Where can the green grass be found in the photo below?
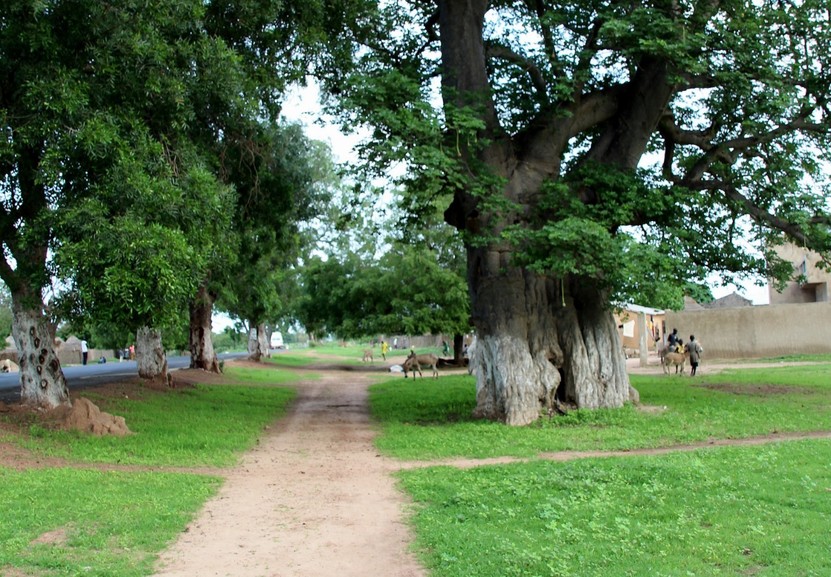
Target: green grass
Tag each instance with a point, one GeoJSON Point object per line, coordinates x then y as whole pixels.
{"type": "Point", "coordinates": [761, 511]}
{"type": "Point", "coordinates": [70, 522]}
{"type": "Point", "coordinates": [431, 419]}
{"type": "Point", "coordinates": [333, 353]}
{"type": "Point", "coordinates": [201, 426]}
{"type": "Point", "coordinates": [254, 376]}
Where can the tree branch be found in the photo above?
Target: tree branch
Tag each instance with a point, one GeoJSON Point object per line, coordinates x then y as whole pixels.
{"type": "Point", "coordinates": [503, 52]}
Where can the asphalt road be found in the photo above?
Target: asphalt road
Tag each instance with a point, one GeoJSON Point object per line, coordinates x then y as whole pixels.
{"type": "Point", "coordinates": [93, 374]}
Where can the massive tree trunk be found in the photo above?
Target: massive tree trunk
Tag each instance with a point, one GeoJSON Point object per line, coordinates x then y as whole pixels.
{"type": "Point", "coordinates": [42, 382]}
{"type": "Point", "coordinates": [150, 355]}
{"type": "Point", "coordinates": [257, 343]}
{"type": "Point", "coordinates": [202, 355]}
{"type": "Point", "coordinates": [541, 344]}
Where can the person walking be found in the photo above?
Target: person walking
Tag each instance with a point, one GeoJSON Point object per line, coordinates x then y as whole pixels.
{"type": "Point", "coordinates": [84, 352]}
{"type": "Point", "coordinates": [695, 354]}
{"type": "Point", "coordinates": [384, 348]}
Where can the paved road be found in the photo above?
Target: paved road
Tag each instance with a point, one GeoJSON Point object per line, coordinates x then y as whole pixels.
{"type": "Point", "coordinates": [79, 376]}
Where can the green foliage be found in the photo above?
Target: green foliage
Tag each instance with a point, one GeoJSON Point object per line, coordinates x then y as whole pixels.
{"type": "Point", "coordinates": [274, 175]}
{"type": "Point", "coordinates": [407, 291]}
{"type": "Point", "coordinates": [608, 142]}
{"type": "Point", "coordinates": [726, 405]}
{"type": "Point", "coordinates": [713, 512]}
{"type": "Point", "coordinates": [6, 315]}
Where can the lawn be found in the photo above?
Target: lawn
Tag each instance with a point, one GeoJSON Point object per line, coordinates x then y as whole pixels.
{"type": "Point", "coordinates": [431, 419]}
{"type": "Point", "coordinates": [89, 520]}
{"type": "Point", "coordinates": [760, 511]}
{"type": "Point", "coordinates": [728, 511]}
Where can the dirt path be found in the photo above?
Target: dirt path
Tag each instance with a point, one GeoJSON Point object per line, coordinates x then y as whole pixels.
{"type": "Point", "coordinates": [313, 499]}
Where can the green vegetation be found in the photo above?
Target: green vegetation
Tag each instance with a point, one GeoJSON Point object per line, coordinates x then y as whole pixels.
{"type": "Point", "coordinates": [69, 522]}
{"type": "Point", "coordinates": [336, 353]}
{"type": "Point", "coordinates": [725, 511]}
{"type": "Point", "coordinates": [202, 426]}
{"type": "Point", "coordinates": [759, 511]}
{"type": "Point", "coordinates": [105, 523]}
{"type": "Point", "coordinates": [432, 419]}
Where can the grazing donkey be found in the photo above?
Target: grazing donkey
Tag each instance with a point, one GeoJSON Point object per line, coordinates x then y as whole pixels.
{"type": "Point", "coordinates": [414, 363]}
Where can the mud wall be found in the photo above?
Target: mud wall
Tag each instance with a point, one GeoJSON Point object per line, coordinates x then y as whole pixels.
{"type": "Point", "coordinates": [757, 331]}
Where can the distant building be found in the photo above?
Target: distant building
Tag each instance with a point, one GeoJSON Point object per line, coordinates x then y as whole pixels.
{"type": "Point", "coordinates": [810, 283]}
{"type": "Point", "coordinates": [730, 301]}
{"type": "Point", "coordinates": [629, 327]}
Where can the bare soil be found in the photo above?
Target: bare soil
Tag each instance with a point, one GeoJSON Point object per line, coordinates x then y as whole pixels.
{"type": "Point", "coordinates": [314, 498]}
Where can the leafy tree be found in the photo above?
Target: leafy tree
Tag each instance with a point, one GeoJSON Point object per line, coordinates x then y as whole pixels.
{"type": "Point", "coordinates": [117, 113]}
{"type": "Point", "coordinates": [5, 312]}
{"type": "Point", "coordinates": [407, 291]}
{"type": "Point", "coordinates": [277, 190]}
{"type": "Point", "coordinates": [596, 151]}
{"type": "Point", "coordinates": [276, 42]}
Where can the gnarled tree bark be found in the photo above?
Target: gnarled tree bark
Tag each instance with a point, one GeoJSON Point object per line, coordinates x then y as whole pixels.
{"type": "Point", "coordinates": [202, 354]}
{"type": "Point", "coordinates": [150, 355]}
{"type": "Point", "coordinates": [258, 343]}
{"type": "Point", "coordinates": [542, 342]}
{"type": "Point", "coordinates": [42, 382]}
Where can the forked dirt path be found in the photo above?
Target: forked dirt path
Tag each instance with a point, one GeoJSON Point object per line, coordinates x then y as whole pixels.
{"type": "Point", "coordinates": [313, 499]}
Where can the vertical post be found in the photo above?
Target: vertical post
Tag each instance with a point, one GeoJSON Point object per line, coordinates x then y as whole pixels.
{"type": "Point", "coordinates": [643, 347]}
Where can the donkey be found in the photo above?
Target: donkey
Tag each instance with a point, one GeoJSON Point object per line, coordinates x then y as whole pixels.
{"type": "Point", "coordinates": [677, 359]}
{"type": "Point", "coordinates": [368, 356]}
{"type": "Point", "coordinates": [414, 363]}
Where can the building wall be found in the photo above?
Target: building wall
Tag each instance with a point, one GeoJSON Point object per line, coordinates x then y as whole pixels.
{"type": "Point", "coordinates": [758, 331]}
{"type": "Point", "coordinates": [629, 329]}
{"type": "Point", "coordinates": [817, 280]}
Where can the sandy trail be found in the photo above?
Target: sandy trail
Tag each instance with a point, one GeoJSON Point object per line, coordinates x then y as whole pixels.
{"type": "Point", "coordinates": [313, 499]}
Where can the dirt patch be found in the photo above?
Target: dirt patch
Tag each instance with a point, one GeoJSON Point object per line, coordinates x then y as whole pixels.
{"type": "Point", "coordinates": [55, 537]}
{"type": "Point", "coordinates": [754, 389]}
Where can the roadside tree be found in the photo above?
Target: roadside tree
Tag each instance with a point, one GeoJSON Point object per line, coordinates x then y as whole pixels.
{"type": "Point", "coordinates": [278, 189]}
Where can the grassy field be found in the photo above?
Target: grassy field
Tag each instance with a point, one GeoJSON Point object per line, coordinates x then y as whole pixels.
{"type": "Point", "coordinates": [761, 511]}
{"type": "Point", "coordinates": [731, 511]}
{"type": "Point", "coordinates": [432, 420]}
{"type": "Point", "coordinates": [71, 521]}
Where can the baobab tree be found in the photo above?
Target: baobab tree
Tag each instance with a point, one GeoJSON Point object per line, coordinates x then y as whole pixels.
{"type": "Point", "coordinates": [592, 151]}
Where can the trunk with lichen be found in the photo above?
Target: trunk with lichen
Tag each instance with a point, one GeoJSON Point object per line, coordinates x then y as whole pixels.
{"type": "Point", "coordinates": [543, 345]}
{"type": "Point", "coordinates": [42, 382]}
{"type": "Point", "coordinates": [202, 354]}
{"type": "Point", "coordinates": [150, 355]}
{"type": "Point", "coordinates": [258, 343]}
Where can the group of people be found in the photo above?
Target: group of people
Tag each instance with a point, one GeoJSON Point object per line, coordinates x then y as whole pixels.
{"type": "Point", "coordinates": [676, 344]}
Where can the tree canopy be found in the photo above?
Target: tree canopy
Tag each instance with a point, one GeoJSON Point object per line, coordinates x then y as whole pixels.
{"type": "Point", "coordinates": [597, 152]}
{"type": "Point", "coordinates": [116, 121]}
{"type": "Point", "coordinates": [683, 136]}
